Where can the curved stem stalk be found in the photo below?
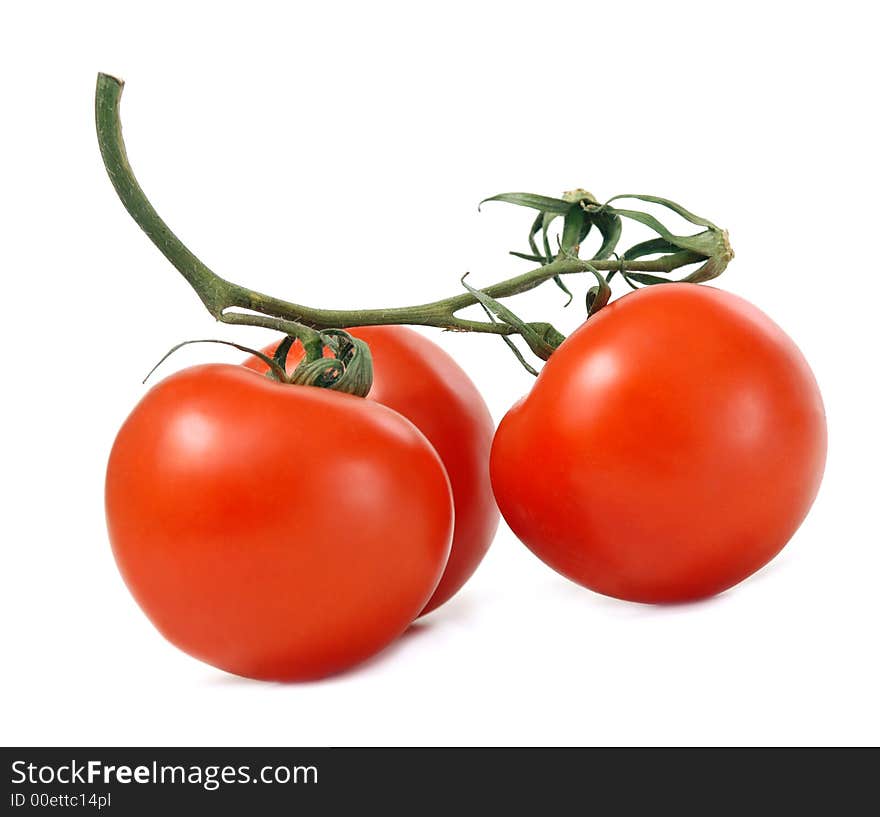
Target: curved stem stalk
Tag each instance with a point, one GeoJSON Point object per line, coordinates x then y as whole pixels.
{"type": "Point", "coordinates": [225, 300]}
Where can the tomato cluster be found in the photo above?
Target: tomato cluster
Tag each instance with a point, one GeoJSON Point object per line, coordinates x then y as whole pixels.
{"type": "Point", "coordinates": [669, 448]}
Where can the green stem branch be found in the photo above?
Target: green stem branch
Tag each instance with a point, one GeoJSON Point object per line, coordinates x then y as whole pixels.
{"type": "Point", "coordinates": [225, 300]}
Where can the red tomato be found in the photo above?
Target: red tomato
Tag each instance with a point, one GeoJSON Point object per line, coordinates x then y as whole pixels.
{"type": "Point", "coordinates": [416, 378]}
{"type": "Point", "coordinates": [278, 532]}
{"type": "Point", "coordinates": [670, 447]}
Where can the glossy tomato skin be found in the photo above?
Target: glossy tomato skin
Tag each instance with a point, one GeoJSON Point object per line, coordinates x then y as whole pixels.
{"type": "Point", "coordinates": [277, 532]}
{"type": "Point", "coordinates": [416, 378]}
{"type": "Point", "coordinates": [670, 447]}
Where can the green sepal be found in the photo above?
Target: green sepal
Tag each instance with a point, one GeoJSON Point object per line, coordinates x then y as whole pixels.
{"type": "Point", "coordinates": [281, 352]}
{"type": "Point", "coordinates": [324, 373]}
{"type": "Point", "coordinates": [599, 295]}
{"type": "Point", "coordinates": [357, 361]}
{"type": "Point", "coordinates": [671, 205]}
{"type": "Point", "coordinates": [535, 340]}
{"type": "Point", "coordinates": [545, 204]}
{"type": "Point", "coordinates": [538, 259]}
{"type": "Point", "coordinates": [277, 371]}
{"type": "Point", "coordinates": [573, 228]}
{"type": "Point", "coordinates": [533, 231]}
{"type": "Point", "coordinates": [546, 220]}
{"type": "Point", "coordinates": [548, 332]}
{"type": "Point", "coordinates": [643, 278]}
{"type": "Point", "coordinates": [557, 279]}
{"type": "Point", "coordinates": [610, 226]}
{"type": "Point", "coordinates": [650, 247]}
{"type": "Point", "coordinates": [643, 248]}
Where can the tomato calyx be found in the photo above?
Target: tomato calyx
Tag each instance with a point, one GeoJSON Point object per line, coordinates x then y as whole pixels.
{"type": "Point", "coordinates": [348, 369]}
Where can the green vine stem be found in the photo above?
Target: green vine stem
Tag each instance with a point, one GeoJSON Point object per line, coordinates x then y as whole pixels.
{"type": "Point", "coordinates": [232, 303]}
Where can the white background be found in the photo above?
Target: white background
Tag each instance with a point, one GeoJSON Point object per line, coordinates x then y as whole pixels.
{"type": "Point", "coordinates": [334, 153]}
